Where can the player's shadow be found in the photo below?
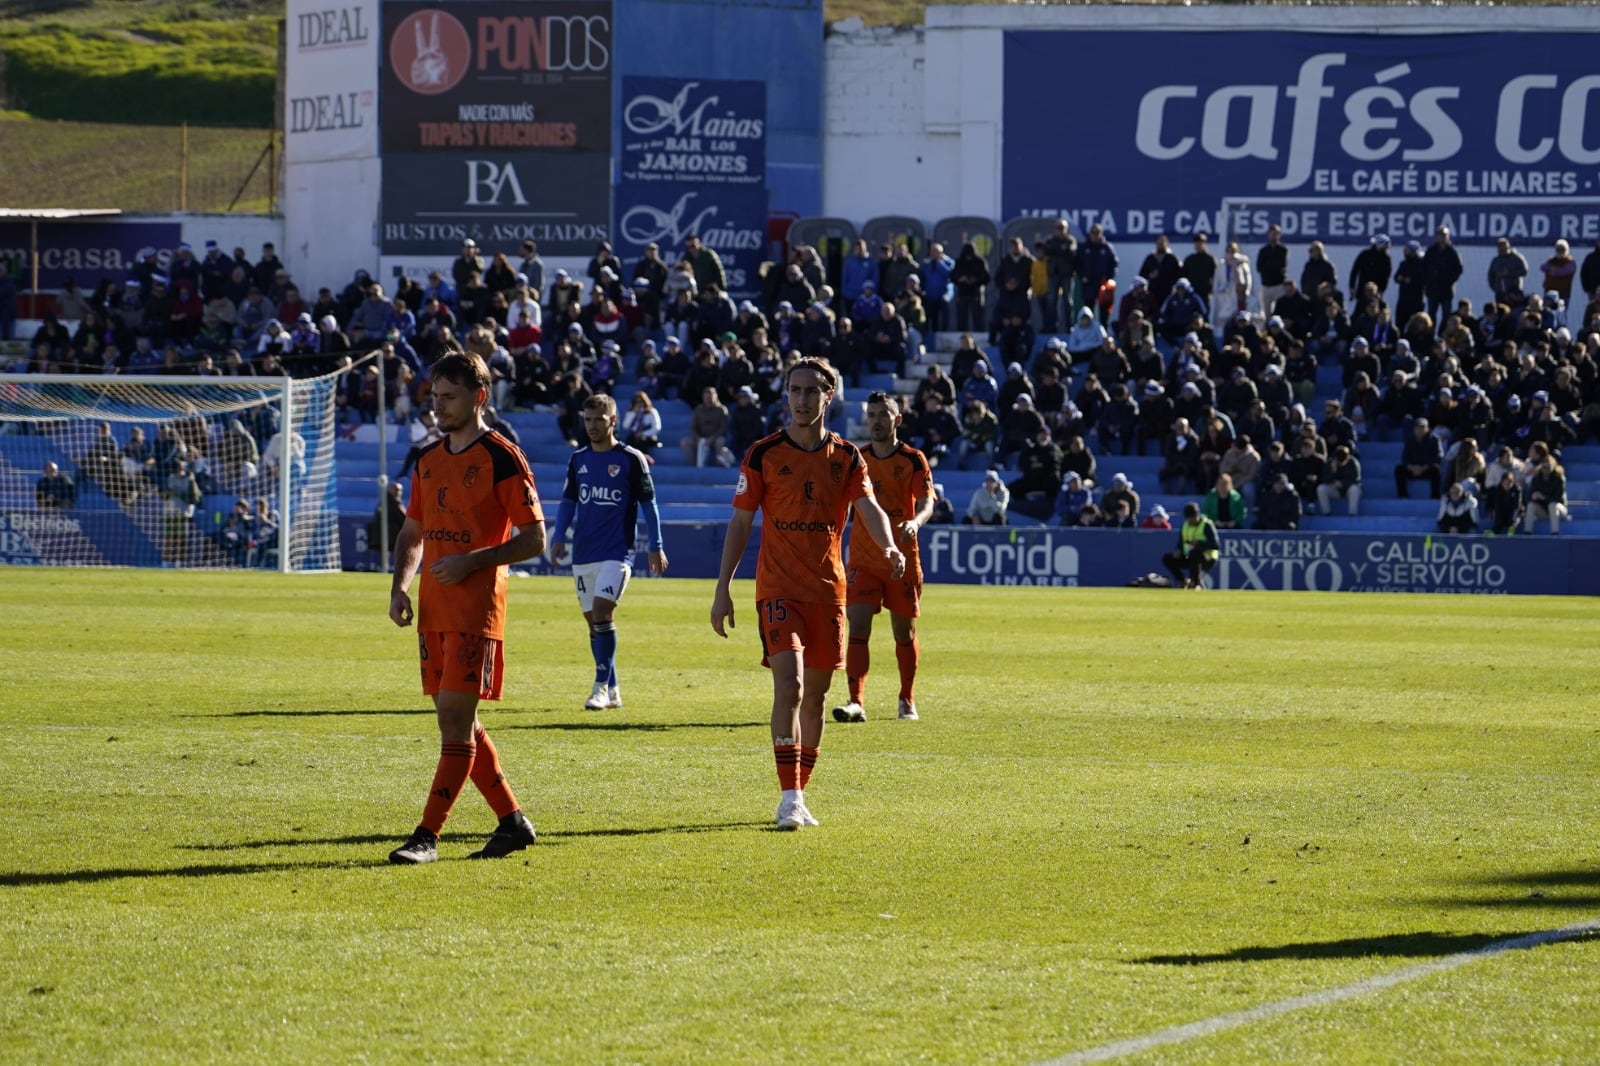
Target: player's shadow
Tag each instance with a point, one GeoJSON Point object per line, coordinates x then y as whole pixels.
{"type": "Point", "coordinates": [1575, 888]}
{"type": "Point", "coordinates": [341, 713]}
{"type": "Point", "coordinates": [25, 879]}
{"type": "Point", "coordinates": [1397, 945]}
{"type": "Point", "coordinates": [1551, 889]}
{"type": "Point", "coordinates": [546, 837]}
{"type": "Point", "coordinates": [630, 727]}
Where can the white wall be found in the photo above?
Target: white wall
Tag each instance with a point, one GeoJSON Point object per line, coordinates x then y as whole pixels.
{"type": "Point", "coordinates": [330, 212]}
{"type": "Point", "coordinates": [331, 167]}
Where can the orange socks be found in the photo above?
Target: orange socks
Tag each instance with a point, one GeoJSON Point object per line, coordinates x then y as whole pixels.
{"type": "Point", "coordinates": [487, 775]}
{"type": "Point", "coordinates": [808, 763]}
{"type": "Point", "coordinates": [788, 760]}
{"type": "Point", "coordinates": [906, 655]}
{"type": "Point", "coordinates": [455, 765]}
{"type": "Point", "coordinates": [857, 658]}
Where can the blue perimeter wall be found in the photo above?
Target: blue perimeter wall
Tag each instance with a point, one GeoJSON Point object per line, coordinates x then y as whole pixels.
{"type": "Point", "coordinates": [1323, 562]}
{"type": "Point", "coordinates": [1320, 562]}
{"type": "Point", "coordinates": [775, 41]}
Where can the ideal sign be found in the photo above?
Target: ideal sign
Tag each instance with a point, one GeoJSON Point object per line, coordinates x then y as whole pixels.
{"type": "Point", "coordinates": [331, 97]}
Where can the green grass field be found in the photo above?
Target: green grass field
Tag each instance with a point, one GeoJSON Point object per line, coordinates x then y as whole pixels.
{"type": "Point", "coordinates": [1122, 811]}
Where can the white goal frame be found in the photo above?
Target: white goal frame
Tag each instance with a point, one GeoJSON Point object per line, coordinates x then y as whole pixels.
{"type": "Point", "coordinates": [306, 502]}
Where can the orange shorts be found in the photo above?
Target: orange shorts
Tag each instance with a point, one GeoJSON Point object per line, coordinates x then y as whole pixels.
{"type": "Point", "coordinates": [461, 662]}
{"type": "Point", "coordinates": [902, 596]}
{"type": "Point", "coordinates": [814, 629]}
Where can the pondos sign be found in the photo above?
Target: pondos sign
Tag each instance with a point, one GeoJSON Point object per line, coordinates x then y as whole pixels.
{"type": "Point", "coordinates": [494, 75]}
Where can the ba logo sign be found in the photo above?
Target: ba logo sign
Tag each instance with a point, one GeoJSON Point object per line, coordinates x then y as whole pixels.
{"type": "Point", "coordinates": [430, 52]}
{"type": "Point", "coordinates": [490, 183]}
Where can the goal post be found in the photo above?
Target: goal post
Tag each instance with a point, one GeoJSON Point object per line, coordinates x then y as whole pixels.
{"type": "Point", "coordinates": [182, 472]}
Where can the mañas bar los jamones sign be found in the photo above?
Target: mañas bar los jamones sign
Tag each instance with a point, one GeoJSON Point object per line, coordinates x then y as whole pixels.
{"type": "Point", "coordinates": [698, 131]}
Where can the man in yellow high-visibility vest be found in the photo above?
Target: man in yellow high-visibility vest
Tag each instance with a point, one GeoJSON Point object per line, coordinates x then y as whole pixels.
{"type": "Point", "coordinates": [1198, 548]}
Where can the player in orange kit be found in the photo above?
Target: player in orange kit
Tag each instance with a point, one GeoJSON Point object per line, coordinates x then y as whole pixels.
{"type": "Point", "coordinates": [805, 481]}
{"type": "Point", "coordinates": [468, 492]}
{"type": "Point", "coordinates": [903, 486]}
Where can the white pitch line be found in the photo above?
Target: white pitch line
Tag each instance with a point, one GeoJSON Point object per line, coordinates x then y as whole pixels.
{"type": "Point", "coordinates": [1178, 1034]}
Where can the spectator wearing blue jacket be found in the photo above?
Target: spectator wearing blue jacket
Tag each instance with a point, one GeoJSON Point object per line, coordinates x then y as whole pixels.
{"type": "Point", "coordinates": [1072, 499]}
{"type": "Point", "coordinates": [935, 273]}
{"type": "Point", "coordinates": [1097, 265]}
{"type": "Point", "coordinates": [979, 386]}
{"type": "Point", "coordinates": [1178, 311]}
{"type": "Point", "coordinates": [857, 271]}
{"type": "Point", "coordinates": [867, 308]}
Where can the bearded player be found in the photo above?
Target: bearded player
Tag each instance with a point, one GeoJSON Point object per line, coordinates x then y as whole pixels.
{"type": "Point", "coordinates": [902, 483]}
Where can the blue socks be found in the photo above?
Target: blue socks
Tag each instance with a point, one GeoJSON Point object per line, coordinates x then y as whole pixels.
{"type": "Point", "coordinates": [603, 643]}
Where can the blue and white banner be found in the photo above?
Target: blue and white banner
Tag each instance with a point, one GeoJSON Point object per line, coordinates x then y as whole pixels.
{"type": "Point", "coordinates": [710, 132]}
{"type": "Point", "coordinates": [1286, 562]}
{"type": "Point", "coordinates": [1333, 135]}
{"type": "Point", "coordinates": [732, 220]}
{"type": "Point", "coordinates": [86, 251]}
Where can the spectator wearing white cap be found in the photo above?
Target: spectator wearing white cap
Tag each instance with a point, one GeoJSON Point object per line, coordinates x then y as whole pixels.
{"type": "Point", "coordinates": [468, 262]}
{"type": "Point", "coordinates": [989, 503]}
{"type": "Point", "coordinates": [1235, 280]}
{"type": "Point", "coordinates": [1373, 266]}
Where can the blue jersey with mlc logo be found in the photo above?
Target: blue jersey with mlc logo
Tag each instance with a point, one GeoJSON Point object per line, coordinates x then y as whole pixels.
{"type": "Point", "coordinates": [605, 490]}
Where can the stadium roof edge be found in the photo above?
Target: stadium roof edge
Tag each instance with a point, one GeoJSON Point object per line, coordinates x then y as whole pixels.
{"type": "Point", "coordinates": [55, 214]}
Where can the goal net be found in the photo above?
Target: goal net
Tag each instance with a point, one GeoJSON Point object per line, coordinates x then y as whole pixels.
{"type": "Point", "coordinates": [188, 472]}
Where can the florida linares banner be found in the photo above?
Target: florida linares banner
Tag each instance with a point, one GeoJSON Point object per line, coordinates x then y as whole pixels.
{"type": "Point", "coordinates": [1349, 134]}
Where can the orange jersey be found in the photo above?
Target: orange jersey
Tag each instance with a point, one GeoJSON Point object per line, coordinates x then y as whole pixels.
{"type": "Point", "coordinates": [804, 497]}
{"type": "Point", "coordinates": [467, 501]}
{"type": "Point", "coordinates": [898, 482]}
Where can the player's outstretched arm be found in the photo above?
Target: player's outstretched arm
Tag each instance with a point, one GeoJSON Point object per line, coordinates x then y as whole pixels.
{"type": "Point", "coordinates": [876, 522]}
{"type": "Point", "coordinates": [732, 551]}
{"type": "Point", "coordinates": [407, 560]}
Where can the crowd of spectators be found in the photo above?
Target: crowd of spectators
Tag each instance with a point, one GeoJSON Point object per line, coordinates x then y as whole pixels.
{"type": "Point", "coordinates": [1209, 361]}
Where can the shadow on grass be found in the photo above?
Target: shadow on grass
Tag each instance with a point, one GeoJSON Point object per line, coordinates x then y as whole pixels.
{"type": "Point", "coordinates": [631, 727]}
{"type": "Point", "coordinates": [1576, 888]}
{"type": "Point", "coordinates": [546, 837]}
{"type": "Point", "coordinates": [22, 879]}
{"type": "Point", "coordinates": [1397, 946]}
{"type": "Point", "coordinates": [26, 8]}
{"type": "Point", "coordinates": [343, 713]}
{"type": "Point", "coordinates": [499, 724]}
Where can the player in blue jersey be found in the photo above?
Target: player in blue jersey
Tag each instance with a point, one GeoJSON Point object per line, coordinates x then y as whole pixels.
{"type": "Point", "coordinates": [608, 486]}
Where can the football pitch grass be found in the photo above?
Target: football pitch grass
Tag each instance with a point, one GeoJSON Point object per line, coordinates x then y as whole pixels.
{"type": "Point", "coordinates": [1122, 811]}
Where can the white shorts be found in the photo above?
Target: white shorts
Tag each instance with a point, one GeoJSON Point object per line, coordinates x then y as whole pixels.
{"type": "Point", "coordinates": [607, 580]}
